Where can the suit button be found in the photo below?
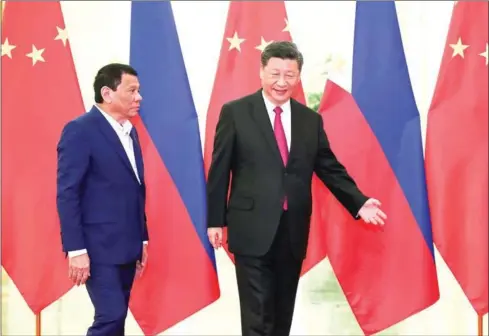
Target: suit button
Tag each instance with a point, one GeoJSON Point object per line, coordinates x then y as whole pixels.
{"type": "Point", "coordinates": [285, 174]}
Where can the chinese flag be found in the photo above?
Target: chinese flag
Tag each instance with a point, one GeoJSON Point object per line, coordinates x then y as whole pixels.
{"type": "Point", "coordinates": [250, 26]}
{"type": "Point", "coordinates": [457, 152]}
{"type": "Point", "coordinates": [40, 94]}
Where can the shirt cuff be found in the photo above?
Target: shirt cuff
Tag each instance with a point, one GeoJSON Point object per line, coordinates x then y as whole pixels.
{"type": "Point", "coordinates": [76, 253]}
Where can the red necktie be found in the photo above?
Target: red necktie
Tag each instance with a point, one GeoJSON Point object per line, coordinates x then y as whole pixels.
{"type": "Point", "coordinates": [278, 129]}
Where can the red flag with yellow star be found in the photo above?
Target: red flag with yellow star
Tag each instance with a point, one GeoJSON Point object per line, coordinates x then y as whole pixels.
{"type": "Point", "coordinates": [457, 152]}
{"type": "Point", "coordinates": [40, 94]}
{"type": "Point", "coordinates": [250, 27]}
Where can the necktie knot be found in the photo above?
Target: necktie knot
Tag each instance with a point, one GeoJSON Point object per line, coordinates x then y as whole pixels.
{"type": "Point", "coordinates": [278, 110]}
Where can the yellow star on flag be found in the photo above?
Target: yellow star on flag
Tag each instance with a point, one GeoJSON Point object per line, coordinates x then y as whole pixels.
{"type": "Point", "coordinates": [235, 42]}
{"type": "Point", "coordinates": [484, 54]}
{"type": "Point", "coordinates": [36, 55]}
{"type": "Point", "coordinates": [286, 29]}
{"type": "Point", "coordinates": [458, 48]}
{"type": "Point", "coordinates": [62, 35]}
{"type": "Point", "coordinates": [263, 44]}
{"type": "Point", "coordinates": [7, 48]}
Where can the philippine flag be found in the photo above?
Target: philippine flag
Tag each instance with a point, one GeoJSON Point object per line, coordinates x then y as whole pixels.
{"type": "Point", "coordinates": [181, 277]}
{"type": "Point", "coordinates": [373, 124]}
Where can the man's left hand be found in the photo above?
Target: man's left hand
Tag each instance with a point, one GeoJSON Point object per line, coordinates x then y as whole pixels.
{"type": "Point", "coordinates": [371, 213]}
{"type": "Point", "coordinates": [140, 266]}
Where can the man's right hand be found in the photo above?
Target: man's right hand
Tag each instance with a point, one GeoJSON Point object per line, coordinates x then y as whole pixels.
{"type": "Point", "coordinates": [79, 270]}
{"type": "Point", "coordinates": [215, 237]}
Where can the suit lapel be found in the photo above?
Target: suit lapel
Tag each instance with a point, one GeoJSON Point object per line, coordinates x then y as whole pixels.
{"type": "Point", "coordinates": [113, 139]}
{"type": "Point", "coordinates": [138, 154]}
{"type": "Point", "coordinates": [296, 128]}
{"type": "Point", "coordinates": [260, 115]}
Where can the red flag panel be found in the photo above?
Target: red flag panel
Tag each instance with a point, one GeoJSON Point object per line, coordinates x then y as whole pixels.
{"type": "Point", "coordinates": [40, 93]}
{"type": "Point", "coordinates": [457, 152]}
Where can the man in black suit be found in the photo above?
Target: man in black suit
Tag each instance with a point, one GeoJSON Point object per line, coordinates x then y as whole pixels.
{"type": "Point", "coordinates": [270, 204]}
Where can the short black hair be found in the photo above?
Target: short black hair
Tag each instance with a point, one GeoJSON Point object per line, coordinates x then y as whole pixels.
{"type": "Point", "coordinates": [110, 75]}
{"type": "Point", "coordinates": [283, 50]}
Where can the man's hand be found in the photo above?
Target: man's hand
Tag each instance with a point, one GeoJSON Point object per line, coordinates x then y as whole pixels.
{"type": "Point", "coordinates": [371, 213]}
{"type": "Point", "coordinates": [215, 237]}
{"type": "Point", "coordinates": [140, 265]}
{"type": "Point", "coordinates": [79, 269]}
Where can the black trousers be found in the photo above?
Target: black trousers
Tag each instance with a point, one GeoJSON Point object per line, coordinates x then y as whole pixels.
{"type": "Point", "coordinates": [267, 287]}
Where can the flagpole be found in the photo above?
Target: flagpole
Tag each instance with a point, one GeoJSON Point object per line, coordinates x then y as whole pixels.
{"type": "Point", "coordinates": [38, 324]}
{"type": "Point", "coordinates": [480, 325]}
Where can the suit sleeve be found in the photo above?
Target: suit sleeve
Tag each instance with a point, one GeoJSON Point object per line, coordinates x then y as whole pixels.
{"type": "Point", "coordinates": [145, 223]}
{"type": "Point", "coordinates": [73, 163]}
{"type": "Point", "coordinates": [220, 169]}
{"type": "Point", "coordinates": [145, 230]}
{"type": "Point", "coordinates": [334, 175]}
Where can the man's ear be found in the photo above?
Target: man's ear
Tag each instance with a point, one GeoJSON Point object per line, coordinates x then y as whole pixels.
{"type": "Point", "coordinates": [106, 93]}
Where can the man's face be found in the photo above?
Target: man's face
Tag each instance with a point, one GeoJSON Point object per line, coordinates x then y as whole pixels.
{"type": "Point", "coordinates": [126, 98]}
{"type": "Point", "coordinates": [279, 78]}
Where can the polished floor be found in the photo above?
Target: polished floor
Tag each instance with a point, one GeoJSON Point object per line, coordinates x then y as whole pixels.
{"type": "Point", "coordinates": [321, 309]}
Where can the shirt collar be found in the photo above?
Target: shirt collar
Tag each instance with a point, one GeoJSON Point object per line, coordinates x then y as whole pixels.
{"type": "Point", "coordinates": [125, 127]}
{"type": "Point", "coordinates": [270, 106]}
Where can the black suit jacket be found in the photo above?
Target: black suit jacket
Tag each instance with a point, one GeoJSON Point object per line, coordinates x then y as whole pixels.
{"type": "Point", "coordinates": [246, 151]}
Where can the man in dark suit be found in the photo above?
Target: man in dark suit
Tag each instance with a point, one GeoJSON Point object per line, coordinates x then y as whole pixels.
{"type": "Point", "coordinates": [101, 197]}
{"type": "Point", "coordinates": [270, 145]}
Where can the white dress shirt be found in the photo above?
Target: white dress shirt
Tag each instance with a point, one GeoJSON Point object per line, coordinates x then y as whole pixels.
{"type": "Point", "coordinates": [123, 131]}
{"type": "Point", "coordinates": [285, 116]}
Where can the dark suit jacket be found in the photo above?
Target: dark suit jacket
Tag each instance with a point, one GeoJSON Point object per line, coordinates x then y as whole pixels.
{"type": "Point", "coordinates": [245, 148]}
{"type": "Point", "coordinates": [100, 201]}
